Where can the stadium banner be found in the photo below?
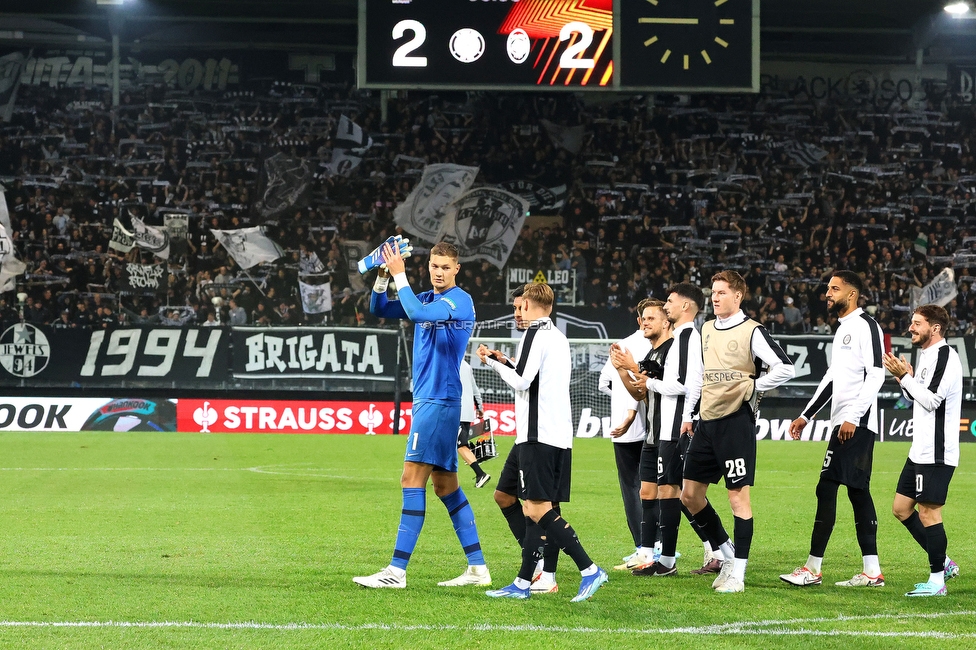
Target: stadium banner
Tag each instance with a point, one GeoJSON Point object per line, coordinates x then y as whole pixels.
{"type": "Point", "coordinates": [332, 416]}
{"type": "Point", "coordinates": [86, 414]}
{"type": "Point", "coordinates": [314, 353]}
{"type": "Point", "coordinates": [895, 425]}
{"type": "Point", "coordinates": [72, 356]}
{"type": "Point", "coordinates": [145, 278]}
{"type": "Point", "coordinates": [276, 416]}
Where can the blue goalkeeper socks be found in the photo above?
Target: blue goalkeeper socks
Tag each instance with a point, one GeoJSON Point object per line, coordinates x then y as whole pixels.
{"type": "Point", "coordinates": [411, 522]}
{"type": "Point", "coordinates": [463, 518]}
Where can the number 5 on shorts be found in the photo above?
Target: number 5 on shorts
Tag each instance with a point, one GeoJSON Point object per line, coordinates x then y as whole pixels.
{"type": "Point", "coordinates": [735, 467]}
{"type": "Point", "coordinates": [827, 456]}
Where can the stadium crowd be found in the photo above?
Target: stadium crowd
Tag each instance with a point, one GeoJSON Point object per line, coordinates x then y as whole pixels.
{"type": "Point", "coordinates": [658, 190]}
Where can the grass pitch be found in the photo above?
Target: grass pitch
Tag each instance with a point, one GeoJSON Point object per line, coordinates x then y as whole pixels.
{"type": "Point", "coordinates": [242, 541]}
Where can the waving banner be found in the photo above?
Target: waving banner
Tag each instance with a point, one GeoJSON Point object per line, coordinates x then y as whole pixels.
{"type": "Point", "coordinates": [248, 246]}
{"type": "Point", "coordinates": [422, 213]}
{"type": "Point", "coordinates": [484, 224]}
{"type": "Point", "coordinates": [285, 184]}
{"type": "Point", "coordinates": [145, 278]}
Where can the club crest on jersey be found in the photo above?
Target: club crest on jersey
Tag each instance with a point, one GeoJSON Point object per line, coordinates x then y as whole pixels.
{"type": "Point", "coordinates": [921, 376]}
{"type": "Point", "coordinates": [847, 339]}
{"type": "Point", "coordinates": [733, 346]}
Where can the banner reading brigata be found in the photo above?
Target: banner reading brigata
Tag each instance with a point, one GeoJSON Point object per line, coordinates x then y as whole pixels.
{"type": "Point", "coordinates": [333, 416]}
{"type": "Point", "coordinates": [314, 352]}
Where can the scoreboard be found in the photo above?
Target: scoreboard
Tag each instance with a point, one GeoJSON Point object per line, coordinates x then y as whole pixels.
{"type": "Point", "coordinates": [623, 45]}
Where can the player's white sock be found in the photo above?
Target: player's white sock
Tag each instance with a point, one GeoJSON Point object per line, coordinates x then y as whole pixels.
{"type": "Point", "coordinates": [739, 568]}
{"type": "Point", "coordinates": [872, 567]}
{"type": "Point", "coordinates": [666, 561]}
{"type": "Point", "coordinates": [727, 550]}
{"type": "Point", "coordinates": [814, 563]}
{"type": "Point", "coordinates": [588, 571]}
{"type": "Point", "coordinates": [937, 578]}
{"type": "Point", "coordinates": [396, 571]}
{"type": "Point", "coordinates": [522, 584]}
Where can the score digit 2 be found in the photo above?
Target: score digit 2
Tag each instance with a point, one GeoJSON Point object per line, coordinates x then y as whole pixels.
{"type": "Point", "coordinates": [401, 57]}
{"type": "Point", "coordinates": [568, 58]}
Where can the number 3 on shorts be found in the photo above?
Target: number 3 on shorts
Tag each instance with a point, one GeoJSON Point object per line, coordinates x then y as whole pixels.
{"type": "Point", "coordinates": [735, 467]}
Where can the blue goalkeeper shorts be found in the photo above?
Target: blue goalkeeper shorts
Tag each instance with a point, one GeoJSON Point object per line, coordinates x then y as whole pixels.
{"type": "Point", "coordinates": [434, 434]}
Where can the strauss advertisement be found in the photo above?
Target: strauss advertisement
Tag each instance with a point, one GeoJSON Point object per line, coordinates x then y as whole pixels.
{"type": "Point", "coordinates": [268, 416]}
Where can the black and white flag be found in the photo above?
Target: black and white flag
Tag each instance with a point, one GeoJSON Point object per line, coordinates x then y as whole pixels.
{"type": "Point", "coordinates": [541, 199]}
{"type": "Point", "coordinates": [10, 265]}
{"type": "Point", "coordinates": [422, 212]}
{"type": "Point", "coordinates": [122, 240]}
{"type": "Point", "coordinates": [485, 224]}
{"type": "Point", "coordinates": [342, 163]}
{"type": "Point", "coordinates": [309, 263]}
{"type": "Point", "coordinates": [316, 298]}
{"type": "Point", "coordinates": [178, 227]}
{"type": "Point", "coordinates": [349, 135]}
{"type": "Point", "coordinates": [248, 246]}
{"type": "Point", "coordinates": [285, 184]}
{"type": "Point", "coordinates": [153, 239]}
{"type": "Point", "coordinates": [940, 291]}
{"type": "Point", "coordinates": [145, 278]}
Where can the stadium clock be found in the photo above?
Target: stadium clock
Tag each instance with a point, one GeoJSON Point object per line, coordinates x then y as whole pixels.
{"type": "Point", "coordinates": [689, 44]}
{"type": "Point", "coordinates": [559, 44]}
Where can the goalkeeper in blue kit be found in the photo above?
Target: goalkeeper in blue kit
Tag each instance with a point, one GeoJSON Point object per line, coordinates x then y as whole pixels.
{"type": "Point", "coordinates": [443, 319]}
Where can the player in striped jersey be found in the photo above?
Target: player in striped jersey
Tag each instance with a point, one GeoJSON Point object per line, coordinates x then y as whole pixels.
{"type": "Point", "coordinates": [936, 389]}
{"type": "Point", "coordinates": [851, 385]}
{"type": "Point", "coordinates": [544, 438]}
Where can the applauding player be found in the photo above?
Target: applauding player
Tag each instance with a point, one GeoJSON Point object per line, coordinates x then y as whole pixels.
{"type": "Point", "coordinates": [443, 321]}
{"type": "Point", "coordinates": [544, 439]}
{"type": "Point", "coordinates": [936, 388]}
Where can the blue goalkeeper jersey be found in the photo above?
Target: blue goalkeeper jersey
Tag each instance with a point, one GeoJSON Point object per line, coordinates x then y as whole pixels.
{"type": "Point", "coordinates": [442, 327]}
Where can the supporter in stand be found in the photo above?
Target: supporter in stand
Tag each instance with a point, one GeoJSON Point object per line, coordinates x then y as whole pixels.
{"type": "Point", "coordinates": [779, 187]}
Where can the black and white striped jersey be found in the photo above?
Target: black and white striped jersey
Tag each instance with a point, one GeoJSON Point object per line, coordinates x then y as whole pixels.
{"type": "Point", "coordinates": [936, 390]}
{"type": "Point", "coordinates": [680, 387]}
{"type": "Point", "coordinates": [854, 376]}
{"type": "Point", "coordinates": [540, 380]}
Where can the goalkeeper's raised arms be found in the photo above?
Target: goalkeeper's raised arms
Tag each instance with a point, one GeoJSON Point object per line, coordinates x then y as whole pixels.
{"type": "Point", "coordinates": [375, 258]}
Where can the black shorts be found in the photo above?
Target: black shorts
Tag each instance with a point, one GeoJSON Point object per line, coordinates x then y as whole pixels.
{"type": "Point", "coordinates": [508, 480]}
{"type": "Point", "coordinates": [648, 464]}
{"type": "Point", "coordinates": [849, 463]}
{"type": "Point", "coordinates": [671, 460]}
{"type": "Point", "coordinates": [464, 434]}
{"type": "Point", "coordinates": [544, 472]}
{"type": "Point", "coordinates": [724, 447]}
{"type": "Point", "coordinates": [925, 483]}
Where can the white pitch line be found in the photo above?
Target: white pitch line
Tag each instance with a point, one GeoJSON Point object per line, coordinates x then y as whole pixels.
{"type": "Point", "coordinates": [753, 628]}
{"type": "Point", "coordinates": [308, 472]}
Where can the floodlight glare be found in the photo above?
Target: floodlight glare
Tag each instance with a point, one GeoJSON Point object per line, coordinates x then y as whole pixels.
{"type": "Point", "coordinates": [957, 8]}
